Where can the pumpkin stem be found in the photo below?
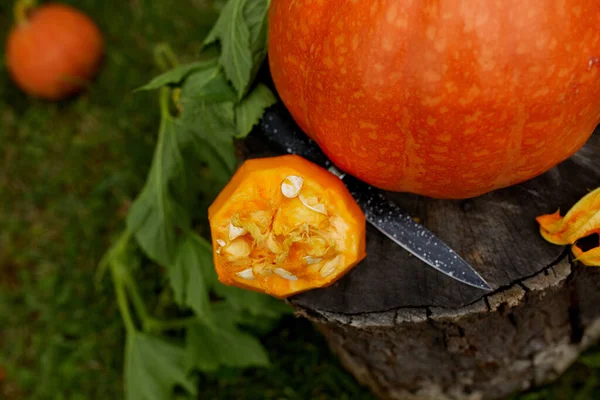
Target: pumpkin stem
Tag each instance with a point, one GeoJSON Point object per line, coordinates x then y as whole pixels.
{"type": "Point", "coordinates": [22, 10]}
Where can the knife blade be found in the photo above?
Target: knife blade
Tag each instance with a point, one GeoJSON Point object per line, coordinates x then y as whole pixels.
{"type": "Point", "coordinates": [279, 128]}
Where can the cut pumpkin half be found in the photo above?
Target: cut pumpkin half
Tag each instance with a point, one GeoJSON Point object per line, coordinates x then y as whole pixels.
{"type": "Point", "coordinates": [284, 225]}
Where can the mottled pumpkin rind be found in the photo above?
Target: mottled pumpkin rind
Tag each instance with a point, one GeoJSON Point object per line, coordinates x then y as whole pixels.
{"type": "Point", "coordinates": [447, 99]}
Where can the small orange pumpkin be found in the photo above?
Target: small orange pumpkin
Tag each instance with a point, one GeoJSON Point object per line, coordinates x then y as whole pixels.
{"type": "Point", "coordinates": [284, 225]}
{"type": "Point", "coordinates": [53, 51]}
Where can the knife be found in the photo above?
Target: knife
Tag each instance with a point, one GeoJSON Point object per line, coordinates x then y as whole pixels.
{"type": "Point", "coordinates": [279, 128]}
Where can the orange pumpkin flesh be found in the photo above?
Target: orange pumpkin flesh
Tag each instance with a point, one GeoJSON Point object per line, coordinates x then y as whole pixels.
{"type": "Point", "coordinates": [447, 99]}
{"type": "Point", "coordinates": [283, 225]}
{"type": "Point", "coordinates": [55, 52]}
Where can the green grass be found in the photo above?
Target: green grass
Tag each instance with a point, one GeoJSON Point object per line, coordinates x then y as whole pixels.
{"type": "Point", "coordinates": [68, 173]}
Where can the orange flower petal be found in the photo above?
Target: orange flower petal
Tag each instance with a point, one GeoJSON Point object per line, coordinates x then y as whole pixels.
{"type": "Point", "coordinates": [583, 219]}
{"type": "Point", "coordinates": [549, 225]}
{"type": "Point", "coordinates": [590, 258]}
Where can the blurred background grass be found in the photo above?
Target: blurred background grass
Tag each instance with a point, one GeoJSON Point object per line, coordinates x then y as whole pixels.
{"type": "Point", "coordinates": [68, 173]}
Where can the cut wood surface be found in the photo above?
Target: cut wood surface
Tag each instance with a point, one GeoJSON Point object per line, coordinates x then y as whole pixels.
{"type": "Point", "coordinates": [410, 332]}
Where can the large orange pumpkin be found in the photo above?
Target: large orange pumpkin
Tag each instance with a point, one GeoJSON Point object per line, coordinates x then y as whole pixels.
{"type": "Point", "coordinates": [444, 98]}
{"type": "Point", "coordinates": [53, 51]}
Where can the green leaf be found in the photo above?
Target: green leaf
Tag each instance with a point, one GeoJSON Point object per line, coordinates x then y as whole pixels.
{"type": "Point", "coordinates": [258, 325]}
{"type": "Point", "coordinates": [208, 85]}
{"type": "Point", "coordinates": [153, 367]}
{"type": "Point", "coordinates": [192, 275]}
{"type": "Point", "coordinates": [591, 360]}
{"type": "Point", "coordinates": [257, 304]}
{"type": "Point", "coordinates": [223, 344]}
{"type": "Point", "coordinates": [255, 14]}
{"type": "Point", "coordinates": [206, 129]}
{"type": "Point", "coordinates": [155, 215]}
{"type": "Point", "coordinates": [241, 30]}
{"type": "Point", "coordinates": [212, 129]}
{"type": "Point", "coordinates": [249, 111]}
{"type": "Point", "coordinates": [154, 218]}
{"type": "Point", "coordinates": [218, 128]}
{"type": "Point", "coordinates": [589, 388]}
{"type": "Point", "coordinates": [177, 74]}
{"type": "Point", "coordinates": [203, 134]}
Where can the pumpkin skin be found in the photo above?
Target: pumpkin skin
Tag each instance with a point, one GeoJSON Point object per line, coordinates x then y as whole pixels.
{"type": "Point", "coordinates": [55, 52]}
{"type": "Point", "coordinates": [270, 241]}
{"type": "Point", "coordinates": [443, 98]}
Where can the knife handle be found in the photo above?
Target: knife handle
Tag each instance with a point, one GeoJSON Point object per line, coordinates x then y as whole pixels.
{"type": "Point", "coordinates": [278, 127]}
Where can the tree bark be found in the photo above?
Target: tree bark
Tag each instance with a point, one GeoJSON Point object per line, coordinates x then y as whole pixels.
{"type": "Point", "coordinates": [409, 332]}
{"type": "Point", "coordinates": [520, 336]}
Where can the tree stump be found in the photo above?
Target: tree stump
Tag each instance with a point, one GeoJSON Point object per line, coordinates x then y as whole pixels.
{"type": "Point", "coordinates": [409, 332]}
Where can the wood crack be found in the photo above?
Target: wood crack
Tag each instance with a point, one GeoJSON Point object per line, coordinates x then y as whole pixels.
{"type": "Point", "coordinates": [427, 308]}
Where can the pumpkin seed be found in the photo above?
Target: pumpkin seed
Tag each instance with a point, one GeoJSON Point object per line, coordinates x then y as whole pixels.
{"type": "Point", "coordinates": [246, 274]}
{"type": "Point", "coordinates": [291, 186]}
{"type": "Point", "coordinates": [318, 246]}
{"type": "Point", "coordinates": [272, 244]}
{"type": "Point", "coordinates": [312, 203]}
{"type": "Point", "coordinates": [285, 274]}
{"type": "Point", "coordinates": [312, 260]}
{"type": "Point", "coordinates": [235, 232]}
{"type": "Point", "coordinates": [262, 270]}
{"type": "Point", "coordinates": [329, 266]}
{"type": "Point", "coordinates": [237, 249]}
{"type": "Point", "coordinates": [221, 243]}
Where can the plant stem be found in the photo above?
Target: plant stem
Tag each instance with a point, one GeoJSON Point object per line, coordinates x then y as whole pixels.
{"type": "Point", "coordinates": [22, 9]}
{"type": "Point", "coordinates": [122, 301]}
{"type": "Point", "coordinates": [117, 249]}
{"type": "Point", "coordinates": [128, 293]}
{"type": "Point", "coordinates": [164, 99]}
{"type": "Point", "coordinates": [138, 302]}
{"type": "Point", "coordinates": [165, 57]}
